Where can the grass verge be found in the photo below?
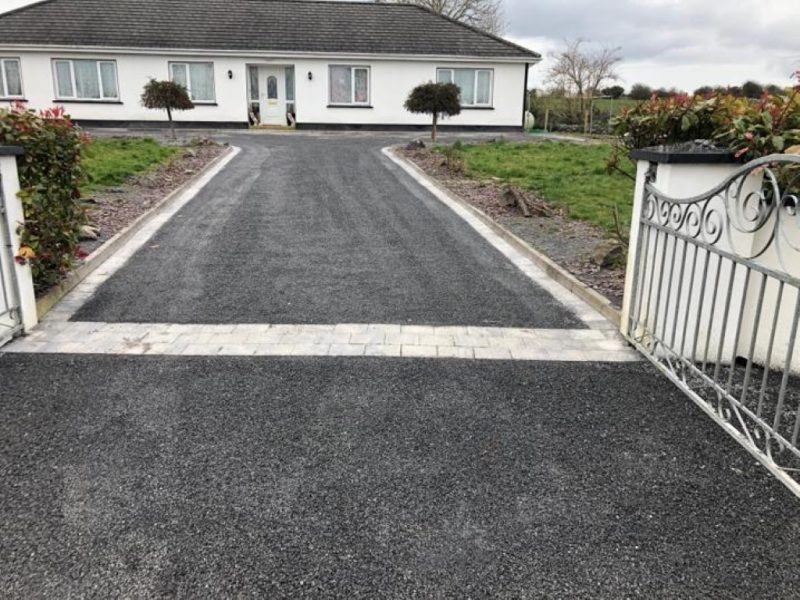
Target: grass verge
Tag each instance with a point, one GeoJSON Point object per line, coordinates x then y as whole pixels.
{"type": "Point", "coordinates": [112, 161]}
{"type": "Point", "coordinates": [569, 175]}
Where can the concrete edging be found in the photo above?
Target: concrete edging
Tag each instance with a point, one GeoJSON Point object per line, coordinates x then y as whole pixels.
{"type": "Point", "coordinates": [555, 271]}
{"type": "Point", "coordinates": [104, 251]}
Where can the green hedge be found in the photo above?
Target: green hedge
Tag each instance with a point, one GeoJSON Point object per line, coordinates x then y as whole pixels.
{"type": "Point", "coordinates": [50, 173]}
{"type": "Point", "coordinates": [749, 128]}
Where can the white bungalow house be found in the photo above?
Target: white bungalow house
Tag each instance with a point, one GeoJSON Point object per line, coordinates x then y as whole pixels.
{"type": "Point", "coordinates": [316, 63]}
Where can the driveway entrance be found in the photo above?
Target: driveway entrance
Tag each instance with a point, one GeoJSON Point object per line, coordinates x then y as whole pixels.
{"type": "Point", "coordinates": [150, 448]}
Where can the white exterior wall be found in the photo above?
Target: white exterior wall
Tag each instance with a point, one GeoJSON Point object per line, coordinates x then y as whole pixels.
{"type": "Point", "coordinates": [390, 82]}
{"type": "Point", "coordinates": [133, 72]}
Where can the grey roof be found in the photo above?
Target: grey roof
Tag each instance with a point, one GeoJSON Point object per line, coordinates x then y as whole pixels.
{"type": "Point", "coordinates": [255, 25]}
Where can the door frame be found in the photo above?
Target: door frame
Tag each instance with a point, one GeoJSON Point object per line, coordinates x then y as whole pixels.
{"type": "Point", "coordinates": [255, 103]}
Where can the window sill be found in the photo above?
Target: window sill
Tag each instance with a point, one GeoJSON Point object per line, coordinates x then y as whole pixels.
{"type": "Point", "coordinates": [349, 106]}
{"type": "Point", "coordinates": [84, 101]}
{"type": "Point", "coordinates": [12, 99]}
{"type": "Point", "coordinates": [200, 103]}
{"type": "Point", "coordinates": [477, 108]}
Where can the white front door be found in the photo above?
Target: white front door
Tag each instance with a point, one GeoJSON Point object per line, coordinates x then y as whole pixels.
{"type": "Point", "coordinates": [272, 95]}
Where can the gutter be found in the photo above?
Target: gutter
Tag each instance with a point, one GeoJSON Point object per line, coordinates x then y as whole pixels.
{"type": "Point", "coordinates": [525, 94]}
{"type": "Point", "coordinates": [263, 53]}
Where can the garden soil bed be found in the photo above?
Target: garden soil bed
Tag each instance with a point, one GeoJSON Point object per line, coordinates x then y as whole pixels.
{"type": "Point", "coordinates": [570, 243]}
{"type": "Point", "coordinates": [110, 210]}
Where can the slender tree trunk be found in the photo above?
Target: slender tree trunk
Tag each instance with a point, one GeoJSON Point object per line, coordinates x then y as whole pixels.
{"type": "Point", "coordinates": [433, 131]}
{"type": "Point", "coordinates": [171, 124]}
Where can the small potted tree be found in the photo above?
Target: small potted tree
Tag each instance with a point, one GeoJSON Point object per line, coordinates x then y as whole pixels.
{"type": "Point", "coordinates": [435, 99]}
{"type": "Point", "coordinates": [166, 95]}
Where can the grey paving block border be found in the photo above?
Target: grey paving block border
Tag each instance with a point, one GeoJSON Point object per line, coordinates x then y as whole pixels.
{"type": "Point", "coordinates": [556, 272]}
{"type": "Point", "coordinates": [46, 302]}
{"type": "Point", "coordinates": [340, 339]}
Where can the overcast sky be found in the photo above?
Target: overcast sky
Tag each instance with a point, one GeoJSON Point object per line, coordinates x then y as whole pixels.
{"type": "Point", "coordinates": [681, 43]}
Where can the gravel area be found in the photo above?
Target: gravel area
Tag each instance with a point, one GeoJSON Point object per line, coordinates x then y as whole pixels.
{"type": "Point", "coordinates": [112, 209]}
{"type": "Point", "coordinates": [570, 243]}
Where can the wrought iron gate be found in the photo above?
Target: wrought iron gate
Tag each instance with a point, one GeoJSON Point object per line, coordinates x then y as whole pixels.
{"type": "Point", "coordinates": [10, 318]}
{"type": "Point", "coordinates": [716, 303]}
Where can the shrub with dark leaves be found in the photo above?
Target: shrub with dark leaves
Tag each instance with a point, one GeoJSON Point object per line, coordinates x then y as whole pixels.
{"type": "Point", "coordinates": [50, 172]}
{"type": "Point", "coordinates": [435, 99]}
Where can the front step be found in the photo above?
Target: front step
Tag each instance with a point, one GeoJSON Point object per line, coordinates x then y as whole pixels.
{"type": "Point", "coordinates": [274, 127]}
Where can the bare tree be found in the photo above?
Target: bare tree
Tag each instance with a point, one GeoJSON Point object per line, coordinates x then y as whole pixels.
{"type": "Point", "coordinates": [483, 14]}
{"type": "Point", "coordinates": [582, 72]}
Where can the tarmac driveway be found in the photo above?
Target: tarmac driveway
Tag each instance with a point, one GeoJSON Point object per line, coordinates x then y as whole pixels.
{"type": "Point", "coordinates": [320, 229]}
{"type": "Point", "coordinates": [332, 476]}
{"type": "Point", "coordinates": [209, 477]}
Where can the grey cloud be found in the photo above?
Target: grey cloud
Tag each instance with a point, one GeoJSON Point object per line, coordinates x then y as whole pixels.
{"type": "Point", "coordinates": [672, 31]}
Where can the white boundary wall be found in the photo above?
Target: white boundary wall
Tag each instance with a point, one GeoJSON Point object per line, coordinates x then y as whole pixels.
{"type": "Point", "coordinates": [16, 277]}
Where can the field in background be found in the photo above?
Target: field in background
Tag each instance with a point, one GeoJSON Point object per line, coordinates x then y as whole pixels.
{"type": "Point", "coordinates": [564, 113]}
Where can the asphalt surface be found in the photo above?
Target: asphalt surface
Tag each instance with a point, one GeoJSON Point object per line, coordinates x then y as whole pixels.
{"type": "Point", "coordinates": [376, 478]}
{"type": "Point", "coordinates": [320, 229]}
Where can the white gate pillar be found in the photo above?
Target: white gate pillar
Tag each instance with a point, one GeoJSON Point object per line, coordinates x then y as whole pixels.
{"type": "Point", "coordinates": [12, 220]}
{"type": "Point", "coordinates": [680, 171]}
{"type": "Point", "coordinates": [685, 171]}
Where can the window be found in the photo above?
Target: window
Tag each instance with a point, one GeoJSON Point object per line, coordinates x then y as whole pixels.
{"type": "Point", "coordinates": [475, 84]}
{"type": "Point", "coordinates": [349, 85]}
{"type": "Point", "coordinates": [290, 84]}
{"type": "Point", "coordinates": [10, 78]}
{"type": "Point", "coordinates": [197, 78]}
{"type": "Point", "coordinates": [86, 79]}
{"type": "Point", "coordinates": [253, 74]}
{"type": "Point", "coordinates": [272, 87]}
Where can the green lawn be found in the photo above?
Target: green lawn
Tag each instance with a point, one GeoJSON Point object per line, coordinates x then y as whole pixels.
{"type": "Point", "coordinates": [112, 161]}
{"type": "Point", "coordinates": [565, 174]}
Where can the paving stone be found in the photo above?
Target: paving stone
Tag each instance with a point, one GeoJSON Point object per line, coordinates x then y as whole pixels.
{"type": "Point", "coordinates": [237, 349]}
{"type": "Point", "coordinates": [418, 351]}
{"type": "Point", "coordinates": [455, 352]}
{"type": "Point", "coordinates": [492, 353]}
{"type": "Point", "coordinates": [527, 353]}
{"type": "Point", "coordinates": [436, 340]}
{"type": "Point", "coordinates": [449, 330]}
{"type": "Point", "coordinates": [382, 350]}
{"type": "Point", "coordinates": [201, 349]}
{"type": "Point", "coordinates": [402, 339]}
{"type": "Point", "coordinates": [347, 349]}
{"type": "Point", "coordinates": [311, 350]}
{"type": "Point", "coordinates": [274, 350]}
{"type": "Point", "coordinates": [471, 341]}
{"type": "Point", "coordinates": [384, 328]}
{"type": "Point", "coordinates": [351, 328]}
{"type": "Point", "coordinates": [506, 342]}
{"type": "Point", "coordinates": [370, 337]}
{"type": "Point", "coordinates": [417, 329]}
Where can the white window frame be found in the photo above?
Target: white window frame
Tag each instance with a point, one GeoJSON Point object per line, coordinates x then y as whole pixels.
{"type": "Point", "coordinates": [352, 68]}
{"type": "Point", "coordinates": [97, 63]}
{"type": "Point", "coordinates": [477, 70]}
{"type": "Point", "coordinates": [186, 63]}
{"type": "Point", "coordinates": [4, 84]}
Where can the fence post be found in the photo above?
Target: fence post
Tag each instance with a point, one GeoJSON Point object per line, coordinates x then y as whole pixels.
{"type": "Point", "coordinates": [14, 218]}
